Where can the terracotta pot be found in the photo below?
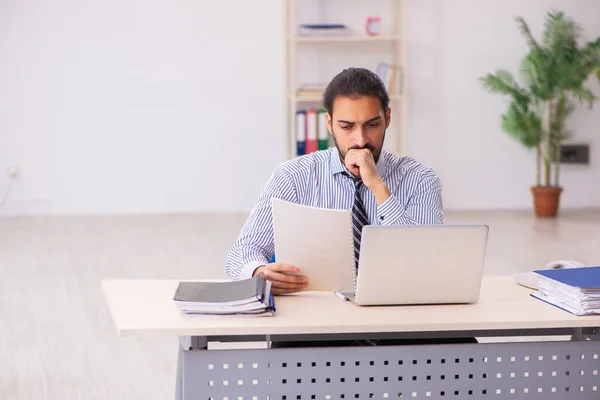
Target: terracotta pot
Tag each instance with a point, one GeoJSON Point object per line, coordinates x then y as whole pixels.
{"type": "Point", "coordinates": [546, 200]}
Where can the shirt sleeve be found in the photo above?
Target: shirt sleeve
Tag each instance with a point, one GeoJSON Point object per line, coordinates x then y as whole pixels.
{"type": "Point", "coordinates": [255, 243]}
{"type": "Point", "coordinates": [423, 207]}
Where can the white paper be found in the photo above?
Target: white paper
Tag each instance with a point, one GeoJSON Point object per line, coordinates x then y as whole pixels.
{"type": "Point", "coordinates": [318, 241]}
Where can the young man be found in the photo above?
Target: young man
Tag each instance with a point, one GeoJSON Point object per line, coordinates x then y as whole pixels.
{"type": "Point", "coordinates": [381, 188]}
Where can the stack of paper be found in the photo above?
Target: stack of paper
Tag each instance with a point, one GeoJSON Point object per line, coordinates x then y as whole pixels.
{"type": "Point", "coordinates": [248, 297]}
{"type": "Point", "coordinates": [576, 290]}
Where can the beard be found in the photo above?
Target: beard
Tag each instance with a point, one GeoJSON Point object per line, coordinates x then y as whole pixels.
{"type": "Point", "coordinates": [376, 152]}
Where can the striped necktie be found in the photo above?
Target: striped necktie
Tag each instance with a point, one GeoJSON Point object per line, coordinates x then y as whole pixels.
{"type": "Point", "coordinates": [359, 219]}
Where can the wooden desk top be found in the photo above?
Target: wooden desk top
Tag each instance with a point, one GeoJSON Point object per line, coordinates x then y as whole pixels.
{"type": "Point", "coordinates": [146, 306]}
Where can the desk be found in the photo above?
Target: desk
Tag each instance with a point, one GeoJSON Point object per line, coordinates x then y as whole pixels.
{"type": "Point", "coordinates": [528, 370]}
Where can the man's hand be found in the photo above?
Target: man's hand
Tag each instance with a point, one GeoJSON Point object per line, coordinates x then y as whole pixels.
{"type": "Point", "coordinates": [281, 281]}
{"type": "Point", "coordinates": [361, 163]}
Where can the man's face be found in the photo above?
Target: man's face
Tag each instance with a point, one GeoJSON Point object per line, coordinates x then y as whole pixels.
{"type": "Point", "coordinates": [358, 124]}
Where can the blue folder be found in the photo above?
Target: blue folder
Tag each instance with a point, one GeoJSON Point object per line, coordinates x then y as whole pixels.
{"type": "Point", "coordinates": [586, 278]}
{"type": "Point", "coordinates": [583, 297]}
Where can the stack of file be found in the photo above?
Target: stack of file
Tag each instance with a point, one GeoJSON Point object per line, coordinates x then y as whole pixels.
{"type": "Point", "coordinates": [576, 290]}
{"type": "Point", "coordinates": [246, 297]}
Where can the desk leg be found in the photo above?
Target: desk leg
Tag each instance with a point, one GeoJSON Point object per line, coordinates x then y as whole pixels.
{"type": "Point", "coordinates": [581, 334]}
{"type": "Point", "coordinates": [186, 344]}
{"type": "Point", "coordinates": [577, 335]}
{"type": "Point", "coordinates": [179, 378]}
{"type": "Point", "coordinates": [594, 335]}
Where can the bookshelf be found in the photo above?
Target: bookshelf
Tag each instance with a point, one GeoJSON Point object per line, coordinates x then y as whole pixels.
{"type": "Point", "coordinates": [317, 59]}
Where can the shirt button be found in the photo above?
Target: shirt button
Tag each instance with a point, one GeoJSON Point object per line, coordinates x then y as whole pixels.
{"type": "Point", "coordinates": [381, 218]}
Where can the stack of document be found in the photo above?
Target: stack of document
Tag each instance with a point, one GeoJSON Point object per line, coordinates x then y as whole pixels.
{"type": "Point", "coordinates": [246, 297]}
{"type": "Point", "coordinates": [576, 290]}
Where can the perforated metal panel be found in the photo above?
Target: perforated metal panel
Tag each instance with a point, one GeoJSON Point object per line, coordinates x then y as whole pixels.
{"type": "Point", "coordinates": [549, 370]}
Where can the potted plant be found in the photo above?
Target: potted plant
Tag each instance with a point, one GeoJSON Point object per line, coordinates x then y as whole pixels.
{"type": "Point", "coordinates": [554, 72]}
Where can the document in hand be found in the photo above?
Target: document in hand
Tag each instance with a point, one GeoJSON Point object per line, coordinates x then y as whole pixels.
{"type": "Point", "coordinates": [576, 290]}
{"type": "Point", "coordinates": [249, 296]}
{"type": "Point", "coordinates": [318, 241]}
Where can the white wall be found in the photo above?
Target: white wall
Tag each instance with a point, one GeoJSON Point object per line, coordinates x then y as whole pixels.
{"type": "Point", "coordinates": [130, 106]}
{"type": "Point", "coordinates": [454, 124]}
{"type": "Point", "coordinates": [123, 106]}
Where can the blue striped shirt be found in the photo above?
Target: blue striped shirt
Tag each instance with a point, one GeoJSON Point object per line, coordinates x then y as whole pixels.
{"type": "Point", "coordinates": [317, 179]}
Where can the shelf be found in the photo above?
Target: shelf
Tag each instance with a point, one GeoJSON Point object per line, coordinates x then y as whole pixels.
{"type": "Point", "coordinates": [350, 38]}
{"type": "Point", "coordinates": [298, 99]}
{"type": "Point", "coordinates": [311, 59]}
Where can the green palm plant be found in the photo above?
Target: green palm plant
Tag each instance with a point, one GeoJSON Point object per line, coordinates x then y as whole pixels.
{"type": "Point", "coordinates": [554, 72]}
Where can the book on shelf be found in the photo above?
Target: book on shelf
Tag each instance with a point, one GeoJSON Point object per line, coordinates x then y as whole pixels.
{"type": "Point", "coordinates": [244, 297]}
{"type": "Point", "coordinates": [391, 75]}
{"type": "Point", "coordinates": [311, 131]}
{"type": "Point", "coordinates": [309, 93]}
{"type": "Point", "coordinates": [313, 86]}
{"type": "Point", "coordinates": [311, 89]}
{"type": "Point", "coordinates": [323, 30]}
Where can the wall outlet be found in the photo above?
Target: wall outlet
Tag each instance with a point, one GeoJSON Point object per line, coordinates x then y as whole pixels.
{"type": "Point", "coordinates": [575, 154]}
{"type": "Point", "coordinates": [13, 172]}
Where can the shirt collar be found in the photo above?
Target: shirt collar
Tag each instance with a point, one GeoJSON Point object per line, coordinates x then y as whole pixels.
{"type": "Point", "coordinates": [337, 166]}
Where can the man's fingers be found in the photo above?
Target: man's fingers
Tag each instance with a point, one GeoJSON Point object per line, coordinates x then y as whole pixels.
{"type": "Point", "coordinates": [283, 268]}
{"type": "Point", "coordinates": [274, 276]}
{"type": "Point", "coordinates": [359, 156]}
{"type": "Point", "coordinates": [281, 280]}
{"type": "Point", "coordinates": [359, 153]}
{"type": "Point", "coordinates": [278, 276]}
{"type": "Point", "coordinates": [353, 167]}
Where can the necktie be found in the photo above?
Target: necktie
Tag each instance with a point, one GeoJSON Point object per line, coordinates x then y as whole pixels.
{"type": "Point", "coordinates": [359, 219]}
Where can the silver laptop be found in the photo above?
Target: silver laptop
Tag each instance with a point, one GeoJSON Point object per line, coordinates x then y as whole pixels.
{"type": "Point", "coordinates": [423, 264]}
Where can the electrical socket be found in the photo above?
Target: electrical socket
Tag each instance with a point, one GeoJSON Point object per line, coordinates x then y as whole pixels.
{"type": "Point", "coordinates": [13, 172]}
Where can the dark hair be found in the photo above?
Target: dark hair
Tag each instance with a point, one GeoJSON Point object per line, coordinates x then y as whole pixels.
{"type": "Point", "coordinates": [355, 83]}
